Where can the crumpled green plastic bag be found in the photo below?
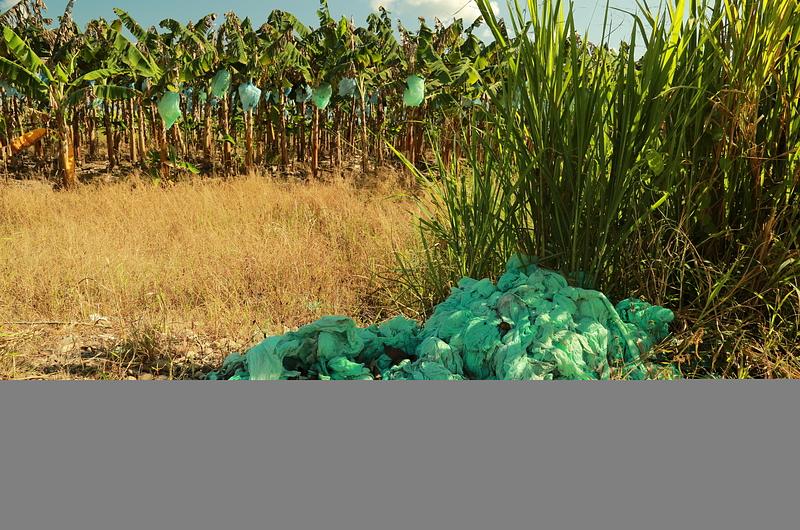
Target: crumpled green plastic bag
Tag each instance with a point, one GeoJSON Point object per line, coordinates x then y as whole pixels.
{"type": "Point", "coordinates": [249, 95]}
{"type": "Point", "coordinates": [169, 108]}
{"type": "Point", "coordinates": [414, 93]}
{"type": "Point", "coordinates": [221, 84]}
{"type": "Point", "coordinates": [530, 325]}
{"type": "Point", "coordinates": [319, 351]}
{"type": "Point", "coordinates": [321, 96]}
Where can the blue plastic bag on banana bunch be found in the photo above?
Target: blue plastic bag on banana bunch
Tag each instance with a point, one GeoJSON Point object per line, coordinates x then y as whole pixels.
{"type": "Point", "coordinates": [8, 91]}
{"type": "Point", "coordinates": [321, 96]}
{"type": "Point", "coordinates": [249, 95]}
{"type": "Point", "coordinates": [347, 87]}
{"type": "Point", "coordinates": [188, 93]}
{"type": "Point", "coordinates": [220, 84]}
{"type": "Point", "coordinates": [169, 108]}
{"type": "Point", "coordinates": [371, 103]}
{"type": "Point", "coordinates": [303, 94]}
{"type": "Point", "coordinates": [414, 94]}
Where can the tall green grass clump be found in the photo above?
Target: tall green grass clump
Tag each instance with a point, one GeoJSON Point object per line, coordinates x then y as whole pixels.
{"type": "Point", "coordinates": [666, 167]}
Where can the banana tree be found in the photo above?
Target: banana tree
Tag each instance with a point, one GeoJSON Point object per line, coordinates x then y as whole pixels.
{"type": "Point", "coordinates": [375, 57]}
{"type": "Point", "coordinates": [285, 64]}
{"type": "Point", "coordinates": [242, 54]}
{"type": "Point", "coordinates": [167, 76]}
{"type": "Point", "coordinates": [58, 87]}
{"type": "Point", "coordinates": [327, 54]}
{"type": "Point", "coordinates": [454, 61]}
{"type": "Point", "coordinates": [201, 61]}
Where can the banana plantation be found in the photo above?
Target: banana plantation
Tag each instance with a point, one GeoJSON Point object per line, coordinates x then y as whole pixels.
{"type": "Point", "coordinates": [229, 96]}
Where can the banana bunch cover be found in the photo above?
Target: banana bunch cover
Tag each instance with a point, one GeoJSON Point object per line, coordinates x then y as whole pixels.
{"type": "Point", "coordinates": [321, 95]}
{"type": "Point", "coordinates": [415, 91]}
{"type": "Point", "coordinates": [169, 108]}
{"type": "Point", "coordinates": [249, 95]}
{"type": "Point", "coordinates": [220, 84]}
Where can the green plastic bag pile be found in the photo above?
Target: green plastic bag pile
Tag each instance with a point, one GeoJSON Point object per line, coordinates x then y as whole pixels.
{"type": "Point", "coordinates": [530, 325]}
{"type": "Point", "coordinates": [169, 108]}
{"type": "Point", "coordinates": [414, 93]}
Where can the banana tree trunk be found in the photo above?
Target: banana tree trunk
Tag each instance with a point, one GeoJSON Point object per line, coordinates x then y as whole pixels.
{"type": "Point", "coordinates": [315, 144]}
{"type": "Point", "coordinates": [109, 135]}
{"type": "Point", "coordinates": [337, 159]}
{"type": "Point", "coordinates": [76, 135]}
{"type": "Point", "coordinates": [92, 132]}
{"type": "Point", "coordinates": [65, 160]}
{"type": "Point", "coordinates": [301, 154]}
{"type": "Point", "coordinates": [16, 116]}
{"type": "Point", "coordinates": [351, 128]}
{"type": "Point", "coordinates": [142, 129]}
{"type": "Point", "coordinates": [259, 133]}
{"type": "Point", "coordinates": [4, 154]}
{"type": "Point", "coordinates": [179, 143]}
{"type": "Point", "coordinates": [419, 137]}
{"type": "Point", "coordinates": [226, 146]}
{"type": "Point", "coordinates": [409, 139]}
{"type": "Point", "coordinates": [269, 142]}
{"type": "Point", "coordinates": [155, 124]}
{"type": "Point", "coordinates": [5, 140]}
{"type": "Point", "coordinates": [207, 135]}
{"type": "Point", "coordinates": [364, 146]}
{"type": "Point", "coordinates": [164, 150]}
{"type": "Point", "coordinates": [132, 137]}
{"type": "Point", "coordinates": [248, 141]}
{"type": "Point", "coordinates": [381, 121]}
{"type": "Point", "coordinates": [284, 147]}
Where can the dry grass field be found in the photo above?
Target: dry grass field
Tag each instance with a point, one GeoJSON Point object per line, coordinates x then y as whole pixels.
{"type": "Point", "coordinates": [132, 280]}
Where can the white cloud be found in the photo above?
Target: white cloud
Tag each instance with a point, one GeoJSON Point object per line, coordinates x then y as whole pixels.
{"type": "Point", "coordinates": [387, 4]}
{"type": "Point", "coordinates": [446, 10]}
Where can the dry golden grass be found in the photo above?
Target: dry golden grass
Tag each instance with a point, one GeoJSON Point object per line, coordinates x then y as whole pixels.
{"type": "Point", "coordinates": [223, 259]}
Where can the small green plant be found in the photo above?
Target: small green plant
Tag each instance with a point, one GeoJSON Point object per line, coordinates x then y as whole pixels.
{"type": "Point", "coordinates": [179, 166]}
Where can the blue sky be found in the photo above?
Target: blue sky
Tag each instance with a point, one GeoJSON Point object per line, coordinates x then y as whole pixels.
{"type": "Point", "coordinates": [589, 15]}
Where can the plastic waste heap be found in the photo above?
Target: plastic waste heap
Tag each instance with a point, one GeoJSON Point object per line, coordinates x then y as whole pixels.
{"type": "Point", "coordinates": [169, 108]}
{"type": "Point", "coordinates": [530, 325]}
{"type": "Point", "coordinates": [414, 93]}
